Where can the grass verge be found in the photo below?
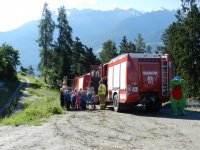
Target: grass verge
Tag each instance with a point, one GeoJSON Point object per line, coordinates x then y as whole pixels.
{"type": "Point", "coordinates": [40, 103]}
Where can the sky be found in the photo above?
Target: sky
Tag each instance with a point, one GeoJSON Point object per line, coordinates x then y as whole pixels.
{"type": "Point", "coordinates": [15, 13]}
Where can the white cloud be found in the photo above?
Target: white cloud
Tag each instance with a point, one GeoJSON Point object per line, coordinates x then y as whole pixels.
{"type": "Point", "coordinates": [14, 13]}
{"type": "Point", "coordinates": [79, 4]}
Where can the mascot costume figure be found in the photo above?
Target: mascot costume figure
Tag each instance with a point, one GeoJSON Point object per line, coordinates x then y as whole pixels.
{"type": "Point", "coordinates": [178, 95]}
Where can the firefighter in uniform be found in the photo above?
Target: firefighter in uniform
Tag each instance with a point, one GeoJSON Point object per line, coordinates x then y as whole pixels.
{"type": "Point", "coordinates": [102, 93]}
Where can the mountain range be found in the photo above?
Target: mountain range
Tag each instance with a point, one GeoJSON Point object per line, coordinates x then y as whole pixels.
{"type": "Point", "coordinates": [93, 27]}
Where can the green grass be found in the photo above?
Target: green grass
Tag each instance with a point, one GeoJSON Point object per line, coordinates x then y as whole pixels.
{"type": "Point", "coordinates": [34, 92]}
{"type": "Point", "coordinates": [36, 110]}
{"type": "Point", "coordinates": [34, 113]}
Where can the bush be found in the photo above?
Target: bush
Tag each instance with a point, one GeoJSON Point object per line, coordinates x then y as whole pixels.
{"type": "Point", "coordinates": [22, 73]}
{"type": "Point", "coordinates": [55, 110]}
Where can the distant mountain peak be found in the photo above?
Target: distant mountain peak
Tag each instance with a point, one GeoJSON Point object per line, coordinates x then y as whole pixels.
{"type": "Point", "coordinates": [134, 11]}
{"type": "Point", "coordinates": [161, 9]}
{"type": "Point", "coordinates": [115, 10]}
{"type": "Point", "coordinates": [94, 27]}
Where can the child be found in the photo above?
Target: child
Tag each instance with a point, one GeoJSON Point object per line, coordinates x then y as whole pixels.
{"type": "Point", "coordinates": [94, 100]}
{"type": "Point", "coordinates": [78, 101]}
{"type": "Point", "coordinates": [83, 100]}
{"type": "Point", "coordinates": [73, 100]}
{"type": "Point", "coordinates": [90, 90]}
{"type": "Point", "coordinates": [67, 100]}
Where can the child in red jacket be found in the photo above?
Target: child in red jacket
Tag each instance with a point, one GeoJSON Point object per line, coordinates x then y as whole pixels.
{"type": "Point", "coordinates": [78, 101]}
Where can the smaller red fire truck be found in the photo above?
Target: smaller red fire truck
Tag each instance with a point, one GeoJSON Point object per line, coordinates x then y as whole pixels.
{"type": "Point", "coordinates": [133, 78]}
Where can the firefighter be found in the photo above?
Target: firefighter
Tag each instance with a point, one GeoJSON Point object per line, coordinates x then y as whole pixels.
{"type": "Point", "coordinates": [102, 93]}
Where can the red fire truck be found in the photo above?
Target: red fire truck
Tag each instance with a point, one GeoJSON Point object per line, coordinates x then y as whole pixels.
{"type": "Point", "coordinates": [134, 78]}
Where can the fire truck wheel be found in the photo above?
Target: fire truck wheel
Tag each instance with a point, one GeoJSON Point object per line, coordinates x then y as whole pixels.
{"type": "Point", "coordinates": [154, 106]}
{"type": "Point", "coordinates": [116, 103]}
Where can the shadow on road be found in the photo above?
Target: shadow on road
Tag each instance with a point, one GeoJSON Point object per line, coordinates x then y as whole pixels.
{"type": "Point", "coordinates": [165, 112]}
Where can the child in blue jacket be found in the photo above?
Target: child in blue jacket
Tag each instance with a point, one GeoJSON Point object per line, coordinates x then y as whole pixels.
{"type": "Point", "coordinates": [67, 100]}
{"type": "Point", "coordinates": [73, 100]}
{"type": "Point", "coordinates": [83, 100]}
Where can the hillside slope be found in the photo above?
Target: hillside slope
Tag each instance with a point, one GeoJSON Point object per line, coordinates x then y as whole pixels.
{"type": "Point", "coordinates": [93, 27]}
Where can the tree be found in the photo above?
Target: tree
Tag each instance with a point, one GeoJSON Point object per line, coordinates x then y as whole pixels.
{"type": "Point", "coordinates": [46, 29]}
{"type": "Point", "coordinates": [9, 60]}
{"type": "Point", "coordinates": [23, 69]}
{"type": "Point", "coordinates": [127, 47]}
{"type": "Point", "coordinates": [82, 58]}
{"type": "Point", "coordinates": [64, 45]}
{"type": "Point", "coordinates": [148, 49]}
{"type": "Point", "coordinates": [160, 49]}
{"type": "Point", "coordinates": [140, 44]}
{"type": "Point", "coordinates": [108, 52]}
{"type": "Point", "coordinates": [191, 49]}
{"type": "Point", "coordinates": [78, 53]}
{"type": "Point", "coordinates": [30, 70]}
{"type": "Point", "coordinates": [181, 39]}
{"type": "Point", "coordinates": [124, 45]}
{"type": "Point", "coordinates": [90, 59]}
{"type": "Point", "coordinates": [131, 47]}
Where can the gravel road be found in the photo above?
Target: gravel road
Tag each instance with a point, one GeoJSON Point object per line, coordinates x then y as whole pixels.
{"type": "Point", "coordinates": [107, 130]}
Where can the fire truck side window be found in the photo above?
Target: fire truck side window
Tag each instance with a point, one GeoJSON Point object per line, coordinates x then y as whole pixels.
{"type": "Point", "coordinates": [95, 72]}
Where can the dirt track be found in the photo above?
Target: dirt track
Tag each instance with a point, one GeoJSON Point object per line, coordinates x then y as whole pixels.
{"type": "Point", "coordinates": [107, 130]}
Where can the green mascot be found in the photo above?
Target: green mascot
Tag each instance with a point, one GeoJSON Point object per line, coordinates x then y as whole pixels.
{"type": "Point", "coordinates": [178, 95]}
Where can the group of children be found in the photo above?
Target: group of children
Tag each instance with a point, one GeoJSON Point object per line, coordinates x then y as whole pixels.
{"type": "Point", "coordinates": [77, 100]}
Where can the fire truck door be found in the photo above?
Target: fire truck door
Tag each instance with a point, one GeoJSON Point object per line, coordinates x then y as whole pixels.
{"type": "Point", "coordinates": [150, 77]}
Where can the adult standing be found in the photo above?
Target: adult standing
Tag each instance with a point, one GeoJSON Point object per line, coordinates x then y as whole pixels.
{"type": "Point", "coordinates": [62, 94]}
{"type": "Point", "coordinates": [102, 93]}
{"type": "Point", "coordinates": [90, 90]}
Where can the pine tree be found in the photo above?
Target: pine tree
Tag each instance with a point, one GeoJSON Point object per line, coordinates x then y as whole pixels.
{"type": "Point", "coordinates": [148, 49]}
{"type": "Point", "coordinates": [108, 52]}
{"type": "Point", "coordinates": [181, 39]}
{"type": "Point", "coordinates": [140, 44]}
{"type": "Point", "coordinates": [90, 59]}
{"type": "Point", "coordinates": [160, 50]}
{"type": "Point", "coordinates": [46, 29]}
{"type": "Point", "coordinates": [192, 49]}
{"type": "Point", "coordinates": [124, 45]}
{"type": "Point", "coordinates": [127, 47]}
{"type": "Point", "coordinates": [78, 53]}
{"type": "Point", "coordinates": [63, 45]}
{"type": "Point", "coordinates": [131, 47]}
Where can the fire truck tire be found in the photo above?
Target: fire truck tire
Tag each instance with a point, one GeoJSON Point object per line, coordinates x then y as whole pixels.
{"type": "Point", "coordinates": [116, 103]}
{"type": "Point", "coordinates": [154, 106]}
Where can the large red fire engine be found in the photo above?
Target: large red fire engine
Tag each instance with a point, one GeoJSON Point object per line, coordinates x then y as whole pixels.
{"type": "Point", "coordinates": [133, 78]}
